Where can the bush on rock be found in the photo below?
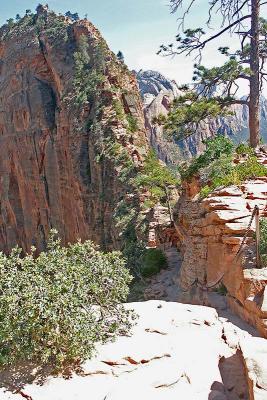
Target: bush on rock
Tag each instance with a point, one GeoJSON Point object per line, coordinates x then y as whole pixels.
{"type": "Point", "coordinates": [54, 308]}
{"type": "Point", "coordinates": [153, 261]}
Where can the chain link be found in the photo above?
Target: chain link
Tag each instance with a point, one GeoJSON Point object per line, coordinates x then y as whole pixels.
{"type": "Point", "coordinates": [247, 232]}
{"type": "Point", "coordinates": [205, 287]}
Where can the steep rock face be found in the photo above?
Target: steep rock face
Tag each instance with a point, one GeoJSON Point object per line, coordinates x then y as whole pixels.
{"type": "Point", "coordinates": [56, 161]}
{"type": "Point", "coordinates": [211, 233]}
{"type": "Point", "coordinates": [151, 83]}
{"type": "Point", "coordinates": [158, 92]}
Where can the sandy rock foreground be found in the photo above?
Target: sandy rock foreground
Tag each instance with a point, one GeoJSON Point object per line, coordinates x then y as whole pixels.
{"type": "Point", "coordinates": [176, 351]}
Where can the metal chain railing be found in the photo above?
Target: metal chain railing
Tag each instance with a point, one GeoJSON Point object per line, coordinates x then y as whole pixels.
{"type": "Point", "coordinates": [255, 211]}
{"type": "Point", "coordinates": [255, 214]}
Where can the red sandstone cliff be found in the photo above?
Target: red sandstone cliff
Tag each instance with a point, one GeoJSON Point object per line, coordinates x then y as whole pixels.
{"type": "Point", "coordinates": [56, 161]}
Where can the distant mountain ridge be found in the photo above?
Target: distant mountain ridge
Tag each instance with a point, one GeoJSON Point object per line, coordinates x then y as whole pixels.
{"type": "Point", "coordinates": [158, 92]}
{"type": "Point", "coordinates": [151, 83]}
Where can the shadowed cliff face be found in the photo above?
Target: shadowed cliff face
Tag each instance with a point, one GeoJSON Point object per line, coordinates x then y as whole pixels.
{"type": "Point", "coordinates": [59, 155]}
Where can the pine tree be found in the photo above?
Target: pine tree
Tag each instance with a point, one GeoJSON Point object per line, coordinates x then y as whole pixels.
{"type": "Point", "coordinates": [10, 22]}
{"type": "Point", "coordinates": [120, 56]}
{"type": "Point", "coordinates": [73, 16]}
{"type": "Point", "coordinates": [241, 17]}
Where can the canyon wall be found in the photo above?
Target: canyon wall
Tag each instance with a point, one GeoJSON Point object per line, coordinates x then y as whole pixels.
{"type": "Point", "coordinates": [66, 146]}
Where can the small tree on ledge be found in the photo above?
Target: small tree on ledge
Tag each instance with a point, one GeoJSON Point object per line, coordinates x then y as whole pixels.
{"type": "Point", "coordinates": [241, 17]}
{"type": "Point", "coordinates": [120, 56]}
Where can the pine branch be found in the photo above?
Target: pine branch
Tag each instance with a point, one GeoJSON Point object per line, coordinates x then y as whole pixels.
{"type": "Point", "coordinates": [193, 42]}
{"type": "Point", "coordinates": [230, 26]}
{"type": "Point", "coordinates": [240, 8]}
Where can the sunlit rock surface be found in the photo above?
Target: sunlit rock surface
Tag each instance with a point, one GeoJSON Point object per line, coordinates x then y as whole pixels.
{"type": "Point", "coordinates": [176, 351]}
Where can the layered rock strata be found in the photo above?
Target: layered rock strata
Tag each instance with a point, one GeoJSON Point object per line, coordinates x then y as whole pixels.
{"type": "Point", "coordinates": [211, 233]}
{"type": "Point", "coordinates": [69, 112]}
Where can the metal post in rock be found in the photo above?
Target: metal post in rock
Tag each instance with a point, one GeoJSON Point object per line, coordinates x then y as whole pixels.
{"type": "Point", "coordinates": [257, 222]}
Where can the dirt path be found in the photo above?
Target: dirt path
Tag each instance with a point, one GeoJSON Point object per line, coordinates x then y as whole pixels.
{"type": "Point", "coordinates": [165, 286]}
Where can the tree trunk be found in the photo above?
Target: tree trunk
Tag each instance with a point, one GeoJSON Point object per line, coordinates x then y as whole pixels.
{"type": "Point", "coordinates": [254, 100]}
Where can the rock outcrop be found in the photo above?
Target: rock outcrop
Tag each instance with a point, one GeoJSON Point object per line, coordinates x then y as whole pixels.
{"type": "Point", "coordinates": [216, 240]}
{"type": "Point", "coordinates": [65, 144]}
{"type": "Point", "coordinates": [158, 93]}
{"type": "Point", "coordinates": [176, 351]}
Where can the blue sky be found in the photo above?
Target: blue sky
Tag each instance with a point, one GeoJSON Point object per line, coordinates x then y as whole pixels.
{"type": "Point", "coordinates": [136, 27]}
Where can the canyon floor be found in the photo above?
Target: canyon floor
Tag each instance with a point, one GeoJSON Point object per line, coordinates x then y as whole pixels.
{"type": "Point", "coordinates": [165, 286]}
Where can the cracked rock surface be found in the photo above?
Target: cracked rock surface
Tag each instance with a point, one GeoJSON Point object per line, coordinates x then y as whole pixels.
{"type": "Point", "coordinates": [176, 351]}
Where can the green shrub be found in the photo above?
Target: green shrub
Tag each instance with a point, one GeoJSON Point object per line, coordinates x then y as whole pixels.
{"type": "Point", "coordinates": [263, 240]}
{"type": "Point", "coordinates": [215, 148]}
{"type": "Point", "coordinates": [243, 149]}
{"type": "Point", "coordinates": [223, 173]}
{"type": "Point", "coordinates": [153, 261]}
{"type": "Point", "coordinates": [249, 169]}
{"type": "Point", "coordinates": [156, 178]}
{"type": "Point", "coordinates": [205, 191]}
{"type": "Point", "coordinates": [132, 123]}
{"type": "Point", "coordinates": [54, 308]}
{"type": "Point", "coordinates": [222, 290]}
{"type": "Point", "coordinates": [215, 166]}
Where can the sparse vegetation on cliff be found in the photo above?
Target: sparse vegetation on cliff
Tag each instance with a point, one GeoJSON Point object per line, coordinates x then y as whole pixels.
{"type": "Point", "coordinates": [129, 121]}
{"type": "Point", "coordinates": [55, 307]}
{"type": "Point", "coordinates": [156, 178]}
{"type": "Point", "coordinates": [119, 110]}
{"type": "Point", "coordinates": [89, 71]}
{"type": "Point", "coordinates": [54, 25]}
{"type": "Point", "coordinates": [132, 123]}
{"type": "Point", "coordinates": [57, 29]}
{"type": "Point", "coordinates": [215, 167]}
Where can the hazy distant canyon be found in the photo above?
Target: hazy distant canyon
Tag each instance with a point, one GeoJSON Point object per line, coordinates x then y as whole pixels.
{"type": "Point", "coordinates": [158, 92]}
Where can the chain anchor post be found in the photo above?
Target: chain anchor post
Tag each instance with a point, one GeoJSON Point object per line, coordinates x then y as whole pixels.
{"type": "Point", "coordinates": [257, 223]}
